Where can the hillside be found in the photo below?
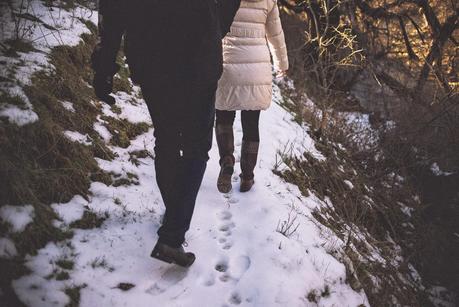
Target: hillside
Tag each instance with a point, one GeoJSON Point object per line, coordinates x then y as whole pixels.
{"type": "Point", "coordinates": [80, 207]}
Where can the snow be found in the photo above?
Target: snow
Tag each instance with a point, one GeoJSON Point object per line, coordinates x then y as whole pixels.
{"type": "Point", "coordinates": [18, 116]}
{"type": "Point", "coordinates": [22, 115]}
{"type": "Point", "coordinates": [405, 209]}
{"type": "Point", "coordinates": [7, 248]}
{"type": "Point", "coordinates": [75, 136]}
{"type": "Point", "coordinates": [103, 131]}
{"type": "Point", "coordinates": [71, 211]}
{"type": "Point", "coordinates": [349, 184]}
{"type": "Point", "coordinates": [68, 106]}
{"type": "Point", "coordinates": [37, 289]}
{"type": "Point", "coordinates": [17, 216]}
{"type": "Point", "coordinates": [241, 258]}
{"type": "Point", "coordinates": [289, 141]}
{"type": "Point", "coordinates": [435, 168]}
{"type": "Point", "coordinates": [130, 109]}
{"type": "Point", "coordinates": [67, 30]}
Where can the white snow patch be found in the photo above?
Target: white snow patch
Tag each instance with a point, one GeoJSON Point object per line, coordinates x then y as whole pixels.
{"type": "Point", "coordinates": [76, 136]}
{"type": "Point", "coordinates": [103, 132]}
{"type": "Point", "coordinates": [37, 289]}
{"type": "Point", "coordinates": [349, 184]}
{"type": "Point", "coordinates": [22, 115]}
{"type": "Point", "coordinates": [132, 109]}
{"type": "Point", "coordinates": [71, 211]}
{"type": "Point", "coordinates": [405, 209]}
{"type": "Point", "coordinates": [17, 216]}
{"type": "Point", "coordinates": [56, 26]}
{"type": "Point", "coordinates": [435, 168]}
{"type": "Point", "coordinates": [107, 111]}
{"type": "Point", "coordinates": [18, 116]}
{"type": "Point", "coordinates": [68, 106]}
{"type": "Point", "coordinates": [7, 248]}
{"type": "Point", "coordinates": [288, 140]}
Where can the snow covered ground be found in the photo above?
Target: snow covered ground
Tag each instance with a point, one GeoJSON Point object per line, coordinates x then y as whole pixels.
{"type": "Point", "coordinates": [241, 258]}
{"type": "Point", "coordinates": [44, 27]}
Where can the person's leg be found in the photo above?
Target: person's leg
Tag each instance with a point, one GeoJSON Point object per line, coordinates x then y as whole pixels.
{"type": "Point", "coordinates": [162, 103]}
{"type": "Point", "coordinates": [250, 129]}
{"type": "Point", "coordinates": [224, 135]}
{"type": "Point", "coordinates": [225, 140]}
{"type": "Point", "coordinates": [249, 150]}
{"type": "Point", "coordinates": [197, 141]}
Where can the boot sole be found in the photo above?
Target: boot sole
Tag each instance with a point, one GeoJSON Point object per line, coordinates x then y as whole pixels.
{"type": "Point", "coordinates": [224, 184]}
{"type": "Point", "coordinates": [223, 188]}
{"type": "Point", "coordinates": [244, 189]}
{"type": "Point", "coordinates": [157, 255]}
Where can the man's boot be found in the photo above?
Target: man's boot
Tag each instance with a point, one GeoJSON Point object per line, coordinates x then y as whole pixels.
{"type": "Point", "coordinates": [225, 141]}
{"type": "Point", "coordinates": [249, 155]}
{"type": "Point", "coordinates": [175, 255]}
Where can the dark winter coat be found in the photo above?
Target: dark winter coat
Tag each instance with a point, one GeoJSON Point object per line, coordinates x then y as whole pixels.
{"type": "Point", "coordinates": [171, 41]}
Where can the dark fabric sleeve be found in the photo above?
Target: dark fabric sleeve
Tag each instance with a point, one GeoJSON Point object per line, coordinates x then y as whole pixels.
{"type": "Point", "coordinates": [112, 25]}
{"type": "Point", "coordinates": [227, 10]}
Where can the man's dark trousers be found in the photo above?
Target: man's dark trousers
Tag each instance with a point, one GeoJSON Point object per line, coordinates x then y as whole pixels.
{"type": "Point", "coordinates": [183, 118]}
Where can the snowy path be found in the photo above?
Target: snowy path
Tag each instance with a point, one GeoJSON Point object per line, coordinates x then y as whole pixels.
{"type": "Point", "coordinates": [241, 259]}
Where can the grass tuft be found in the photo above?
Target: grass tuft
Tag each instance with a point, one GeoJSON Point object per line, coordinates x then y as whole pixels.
{"type": "Point", "coordinates": [89, 220]}
{"type": "Point", "coordinates": [125, 286]}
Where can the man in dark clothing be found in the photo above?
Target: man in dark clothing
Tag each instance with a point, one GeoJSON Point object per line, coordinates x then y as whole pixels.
{"type": "Point", "coordinates": [174, 52]}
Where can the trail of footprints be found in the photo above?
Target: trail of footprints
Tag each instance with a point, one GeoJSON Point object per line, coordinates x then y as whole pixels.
{"type": "Point", "coordinates": [230, 269]}
{"type": "Point", "coordinates": [225, 230]}
{"type": "Point", "coordinates": [230, 199]}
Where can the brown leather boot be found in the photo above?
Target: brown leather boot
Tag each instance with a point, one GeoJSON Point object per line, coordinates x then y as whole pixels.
{"type": "Point", "coordinates": [249, 155]}
{"type": "Point", "coordinates": [225, 141]}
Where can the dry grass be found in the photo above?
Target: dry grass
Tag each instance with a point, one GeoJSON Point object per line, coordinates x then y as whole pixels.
{"type": "Point", "coordinates": [366, 212]}
{"type": "Point", "coordinates": [426, 132]}
{"type": "Point", "coordinates": [40, 166]}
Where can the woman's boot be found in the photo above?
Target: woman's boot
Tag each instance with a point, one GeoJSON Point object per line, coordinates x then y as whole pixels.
{"type": "Point", "coordinates": [225, 141]}
{"type": "Point", "coordinates": [249, 155]}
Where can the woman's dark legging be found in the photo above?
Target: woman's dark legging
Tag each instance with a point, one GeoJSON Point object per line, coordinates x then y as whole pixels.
{"type": "Point", "coordinates": [249, 121]}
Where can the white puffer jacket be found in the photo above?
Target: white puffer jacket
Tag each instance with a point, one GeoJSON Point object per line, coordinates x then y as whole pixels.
{"type": "Point", "coordinates": [247, 77]}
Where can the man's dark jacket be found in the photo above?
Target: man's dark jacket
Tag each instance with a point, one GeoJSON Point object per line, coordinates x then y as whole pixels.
{"type": "Point", "coordinates": [165, 40]}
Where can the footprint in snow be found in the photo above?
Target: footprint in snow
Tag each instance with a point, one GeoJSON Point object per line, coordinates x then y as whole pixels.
{"type": "Point", "coordinates": [222, 266]}
{"type": "Point", "coordinates": [224, 278]}
{"type": "Point", "coordinates": [225, 215]}
{"type": "Point", "coordinates": [233, 200]}
{"type": "Point", "coordinates": [226, 245]}
{"type": "Point", "coordinates": [209, 280]}
{"type": "Point", "coordinates": [170, 277]}
{"type": "Point", "coordinates": [225, 229]}
{"type": "Point", "coordinates": [227, 226]}
{"type": "Point", "coordinates": [234, 269]}
{"type": "Point", "coordinates": [239, 265]}
{"type": "Point", "coordinates": [235, 299]}
{"type": "Point", "coordinates": [230, 199]}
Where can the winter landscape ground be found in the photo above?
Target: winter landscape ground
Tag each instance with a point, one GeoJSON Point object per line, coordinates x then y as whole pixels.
{"type": "Point", "coordinates": [263, 248]}
{"type": "Point", "coordinates": [242, 258]}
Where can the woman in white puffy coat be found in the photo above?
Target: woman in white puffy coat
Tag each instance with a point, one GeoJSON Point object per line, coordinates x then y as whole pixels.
{"type": "Point", "coordinates": [256, 35]}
